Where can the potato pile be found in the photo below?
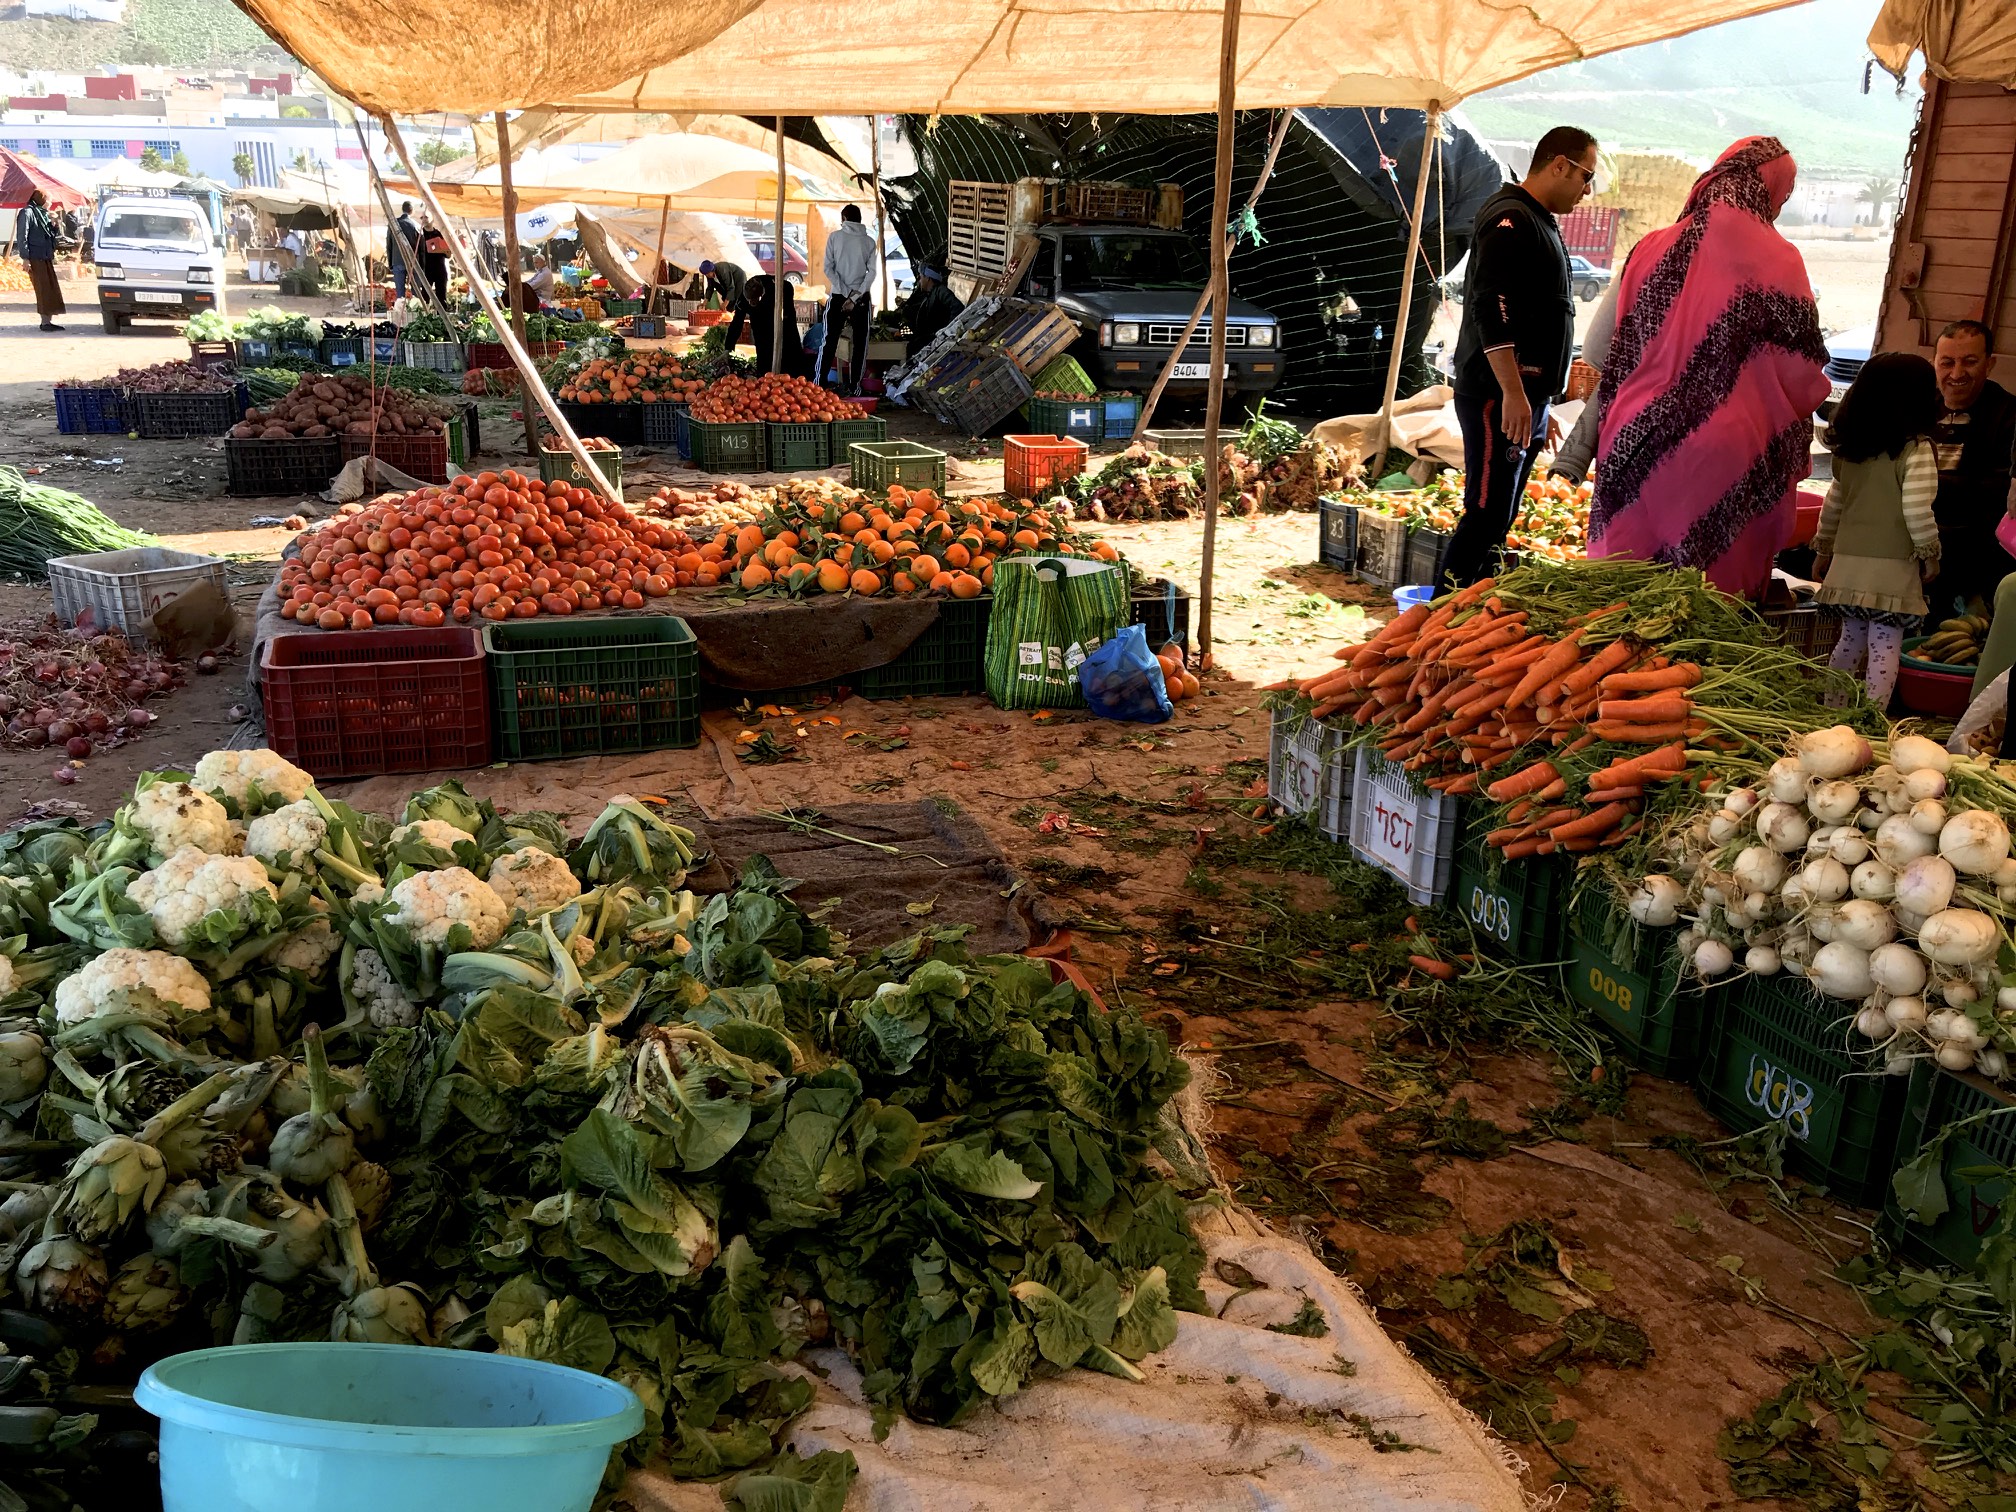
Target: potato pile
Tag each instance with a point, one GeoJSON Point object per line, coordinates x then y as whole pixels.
{"type": "Point", "coordinates": [323, 404]}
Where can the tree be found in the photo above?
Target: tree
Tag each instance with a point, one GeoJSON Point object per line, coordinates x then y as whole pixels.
{"type": "Point", "coordinates": [243, 166]}
{"type": "Point", "coordinates": [1878, 192]}
{"type": "Point", "coordinates": [294, 112]}
{"type": "Point", "coordinates": [301, 163]}
{"type": "Point", "coordinates": [433, 154]}
{"type": "Point", "coordinates": [180, 163]}
{"type": "Point", "coordinates": [150, 160]}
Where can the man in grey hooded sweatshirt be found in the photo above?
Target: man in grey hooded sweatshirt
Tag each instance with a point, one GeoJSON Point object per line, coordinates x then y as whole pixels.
{"type": "Point", "coordinates": [850, 276]}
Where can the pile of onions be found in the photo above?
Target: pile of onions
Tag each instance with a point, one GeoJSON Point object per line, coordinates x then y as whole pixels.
{"type": "Point", "coordinates": [74, 694]}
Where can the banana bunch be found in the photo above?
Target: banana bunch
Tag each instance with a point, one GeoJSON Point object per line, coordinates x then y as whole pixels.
{"type": "Point", "coordinates": [1956, 643]}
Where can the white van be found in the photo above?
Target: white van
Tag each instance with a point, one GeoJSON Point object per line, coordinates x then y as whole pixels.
{"type": "Point", "coordinates": [157, 259]}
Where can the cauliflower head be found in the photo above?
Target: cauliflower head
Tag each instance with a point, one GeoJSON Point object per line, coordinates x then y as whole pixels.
{"type": "Point", "coordinates": [174, 816]}
{"type": "Point", "coordinates": [427, 905]}
{"type": "Point", "coordinates": [368, 892]}
{"type": "Point", "coordinates": [535, 880]}
{"type": "Point", "coordinates": [125, 979]}
{"type": "Point", "coordinates": [189, 885]}
{"type": "Point", "coordinates": [236, 773]}
{"type": "Point", "coordinates": [435, 832]}
{"type": "Point", "coordinates": [307, 950]}
{"type": "Point", "coordinates": [384, 1001]}
{"type": "Point", "coordinates": [295, 832]}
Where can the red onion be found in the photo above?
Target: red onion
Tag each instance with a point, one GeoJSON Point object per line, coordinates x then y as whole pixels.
{"type": "Point", "coordinates": [34, 735]}
{"type": "Point", "coordinates": [78, 747]}
{"type": "Point", "coordinates": [206, 664]}
{"type": "Point", "coordinates": [6, 704]}
{"type": "Point", "coordinates": [66, 774]}
{"type": "Point", "coordinates": [138, 719]}
{"type": "Point", "coordinates": [61, 730]}
{"type": "Point", "coordinates": [163, 680]}
{"type": "Point", "coordinates": [44, 715]}
{"type": "Point", "coordinates": [96, 723]}
{"type": "Point", "coordinates": [137, 690]}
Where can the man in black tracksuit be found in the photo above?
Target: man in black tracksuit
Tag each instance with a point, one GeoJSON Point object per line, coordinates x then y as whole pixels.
{"type": "Point", "coordinates": [1517, 336]}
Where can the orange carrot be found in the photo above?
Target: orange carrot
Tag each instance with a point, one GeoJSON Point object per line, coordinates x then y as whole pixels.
{"type": "Point", "coordinates": [1553, 789]}
{"type": "Point", "coordinates": [1605, 729]}
{"type": "Point", "coordinates": [1442, 971]}
{"type": "Point", "coordinates": [1521, 783]}
{"type": "Point", "coordinates": [1612, 794]}
{"type": "Point", "coordinates": [1407, 622]}
{"type": "Point", "coordinates": [1685, 675]}
{"type": "Point", "coordinates": [1519, 849]}
{"type": "Point", "coordinates": [1611, 658]}
{"type": "Point", "coordinates": [1657, 710]}
{"type": "Point", "coordinates": [1591, 825]}
{"type": "Point", "coordinates": [1579, 743]}
{"type": "Point", "coordinates": [1545, 670]}
{"type": "Point", "coordinates": [1667, 760]}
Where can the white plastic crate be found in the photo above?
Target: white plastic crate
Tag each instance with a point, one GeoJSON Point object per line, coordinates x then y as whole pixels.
{"type": "Point", "coordinates": [1382, 549]}
{"type": "Point", "coordinates": [124, 589]}
{"type": "Point", "coordinates": [1403, 828]}
{"type": "Point", "coordinates": [441, 356]}
{"type": "Point", "coordinates": [1308, 771]}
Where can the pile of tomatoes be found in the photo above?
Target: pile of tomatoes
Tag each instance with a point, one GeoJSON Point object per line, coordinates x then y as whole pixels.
{"type": "Point", "coordinates": [646, 377]}
{"type": "Point", "coordinates": [776, 397]}
{"type": "Point", "coordinates": [495, 546]}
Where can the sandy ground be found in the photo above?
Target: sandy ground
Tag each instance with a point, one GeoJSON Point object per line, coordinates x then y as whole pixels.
{"type": "Point", "coordinates": [1137, 831]}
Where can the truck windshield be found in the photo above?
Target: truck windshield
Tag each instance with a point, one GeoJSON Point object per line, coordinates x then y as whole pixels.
{"type": "Point", "coordinates": [152, 226]}
{"type": "Point", "coordinates": [1121, 259]}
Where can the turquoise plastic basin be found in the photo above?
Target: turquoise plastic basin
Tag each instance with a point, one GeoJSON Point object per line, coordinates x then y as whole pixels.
{"type": "Point", "coordinates": [381, 1428]}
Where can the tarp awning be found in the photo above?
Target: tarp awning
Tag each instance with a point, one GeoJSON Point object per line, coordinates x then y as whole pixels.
{"type": "Point", "coordinates": [1966, 41]}
{"type": "Point", "coordinates": [20, 176]}
{"type": "Point", "coordinates": [852, 57]}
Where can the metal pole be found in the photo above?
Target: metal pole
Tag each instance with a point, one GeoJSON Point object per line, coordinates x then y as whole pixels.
{"type": "Point", "coordinates": [1203, 299]}
{"type": "Point", "coordinates": [779, 290]}
{"type": "Point", "coordinates": [528, 371]}
{"type": "Point", "coordinates": [1221, 209]}
{"type": "Point", "coordinates": [1430, 144]}
{"type": "Point", "coordinates": [511, 259]}
{"type": "Point", "coordinates": [881, 227]}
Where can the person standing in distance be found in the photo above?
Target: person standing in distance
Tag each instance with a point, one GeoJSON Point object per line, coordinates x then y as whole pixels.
{"type": "Point", "coordinates": [1517, 336]}
{"type": "Point", "coordinates": [1972, 441]}
{"type": "Point", "coordinates": [850, 275]}
{"type": "Point", "coordinates": [402, 229]}
{"type": "Point", "coordinates": [35, 245]}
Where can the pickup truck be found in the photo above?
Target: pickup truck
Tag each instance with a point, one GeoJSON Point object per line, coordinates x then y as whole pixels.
{"type": "Point", "coordinates": [158, 258]}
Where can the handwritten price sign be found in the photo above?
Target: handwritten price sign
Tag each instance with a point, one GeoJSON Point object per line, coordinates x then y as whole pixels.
{"type": "Point", "coordinates": [1390, 835]}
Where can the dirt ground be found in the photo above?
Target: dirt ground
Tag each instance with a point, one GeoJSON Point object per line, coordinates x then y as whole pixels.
{"type": "Point", "coordinates": [1387, 1148]}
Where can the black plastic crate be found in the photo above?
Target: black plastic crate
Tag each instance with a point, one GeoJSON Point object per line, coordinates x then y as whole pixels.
{"type": "Point", "coordinates": [661, 423]}
{"type": "Point", "coordinates": [981, 405]}
{"type": "Point", "coordinates": [342, 351]}
{"type": "Point", "coordinates": [1781, 1053]}
{"type": "Point", "coordinates": [1628, 975]}
{"type": "Point", "coordinates": [1518, 909]}
{"type": "Point", "coordinates": [92, 412]}
{"type": "Point", "coordinates": [949, 657]}
{"type": "Point", "coordinates": [296, 465]}
{"type": "Point", "coordinates": [1427, 550]}
{"type": "Point", "coordinates": [1337, 538]}
{"type": "Point", "coordinates": [799, 446]}
{"type": "Point", "coordinates": [175, 417]}
{"type": "Point", "coordinates": [621, 423]}
{"type": "Point", "coordinates": [1969, 1161]}
{"type": "Point", "coordinates": [1151, 608]}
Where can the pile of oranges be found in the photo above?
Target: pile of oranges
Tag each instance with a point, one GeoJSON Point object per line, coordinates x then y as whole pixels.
{"type": "Point", "coordinates": [1177, 680]}
{"type": "Point", "coordinates": [775, 397]}
{"type": "Point", "coordinates": [913, 543]}
{"type": "Point", "coordinates": [495, 546]}
{"type": "Point", "coordinates": [646, 377]}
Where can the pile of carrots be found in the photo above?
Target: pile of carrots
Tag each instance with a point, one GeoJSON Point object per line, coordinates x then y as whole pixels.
{"type": "Point", "coordinates": [495, 546]}
{"type": "Point", "coordinates": [1462, 689]}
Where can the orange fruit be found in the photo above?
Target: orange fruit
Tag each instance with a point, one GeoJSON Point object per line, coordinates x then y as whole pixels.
{"type": "Point", "coordinates": [749, 540]}
{"type": "Point", "coordinates": [924, 568]}
{"type": "Point", "coordinates": [832, 577]}
{"type": "Point", "coordinates": [1191, 685]}
{"type": "Point", "coordinates": [965, 585]}
{"type": "Point", "coordinates": [957, 555]}
{"type": "Point", "coordinates": [755, 575]}
{"type": "Point", "coordinates": [903, 583]}
{"type": "Point", "coordinates": [865, 582]}
{"type": "Point", "coordinates": [942, 582]}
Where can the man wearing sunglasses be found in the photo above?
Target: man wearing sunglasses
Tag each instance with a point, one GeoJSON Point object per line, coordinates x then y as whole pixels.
{"type": "Point", "coordinates": [1517, 336]}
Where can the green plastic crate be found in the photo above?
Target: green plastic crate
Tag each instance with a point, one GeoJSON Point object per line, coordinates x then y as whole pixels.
{"type": "Point", "coordinates": [847, 432]}
{"type": "Point", "coordinates": [1628, 975]}
{"type": "Point", "coordinates": [949, 657]}
{"type": "Point", "coordinates": [1780, 1054]}
{"type": "Point", "coordinates": [1517, 909]}
{"type": "Point", "coordinates": [1065, 375]}
{"type": "Point", "coordinates": [561, 466]}
{"type": "Point", "coordinates": [875, 465]}
{"type": "Point", "coordinates": [799, 446]}
{"type": "Point", "coordinates": [1936, 1100]}
{"type": "Point", "coordinates": [614, 307]}
{"type": "Point", "coordinates": [458, 441]}
{"type": "Point", "coordinates": [723, 446]}
{"type": "Point", "coordinates": [578, 687]}
{"type": "Point", "coordinates": [1078, 419]}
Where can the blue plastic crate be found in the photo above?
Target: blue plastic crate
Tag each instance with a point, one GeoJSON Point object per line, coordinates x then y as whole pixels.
{"type": "Point", "coordinates": [1123, 413]}
{"type": "Point", "coordinates": [92, 412]}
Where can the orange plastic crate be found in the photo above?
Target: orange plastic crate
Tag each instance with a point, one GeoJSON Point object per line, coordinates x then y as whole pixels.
{"type": "Point", "coordinates": [1033, 465]}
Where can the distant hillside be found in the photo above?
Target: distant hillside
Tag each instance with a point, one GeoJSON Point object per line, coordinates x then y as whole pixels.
{"type": "Point", "coordinates": [1794, 74]}
{"type": "Point", "coordinates": [173, 33]}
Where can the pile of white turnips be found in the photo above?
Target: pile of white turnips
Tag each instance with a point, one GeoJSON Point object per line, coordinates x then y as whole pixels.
{"type": "Point", "coordinates": [1868, 873]}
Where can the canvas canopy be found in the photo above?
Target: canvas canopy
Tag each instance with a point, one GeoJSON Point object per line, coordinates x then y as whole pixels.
{"type": "Point", "coordinates": [1967, 41]}
{"type": "Point", "coordinates": [851, 57]}
{"type": "Point", "coordinates": [20, 176]}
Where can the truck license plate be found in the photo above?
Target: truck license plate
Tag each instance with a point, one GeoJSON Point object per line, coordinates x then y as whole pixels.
{"type": "Point", "coordinates": [1195, 370]}
{"type": "Point", "coordinates": [155, 296]}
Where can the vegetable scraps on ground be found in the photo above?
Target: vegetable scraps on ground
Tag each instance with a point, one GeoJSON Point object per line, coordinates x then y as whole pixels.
{"type": "Point", "coordinates": [302, 1072]}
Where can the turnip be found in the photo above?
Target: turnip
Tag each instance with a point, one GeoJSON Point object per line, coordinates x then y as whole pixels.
{"type": "Point", "coordinates": [1907, 1013]}
{"type": "Point", "coordinates": [2005, 1000]}
{"type": "Point", "coordinates": [1928, 816]}
{"type": "Point", "coordinates": [1917, 753]}
{"type": "Point", "coordinates": [1833, 801]}
{"type": "Point", "coordinates": [1712, 958]}
{"type": "Point", "coordinates": [1781, 826]}
{"type": "Point", "coordinates": [1991, 1063]}
{"type": "Point", "coordinates": [1899, 843]}
{"type": "Point", "coordinates": [1820, 842]}
{"type": "Point", "coordinates": [1841, 970]}
{"type": "Point", "coordinates": [1907, 920]}
{"type": "Point", "coordinates": [1687, 940]}
{"type": "Point", "coordinates": [1958, 992]}
{"type": "Point", "coordinates": [1740, 800]}
{"type": "Point", "coordinates": [1758, 868]}
{"type": "Point", "coordinates": [1835, 752]}
{"type": "Point", "coordinates": [1795, 952]}
{"type": "Point", "coordinates": [1959, 937]}
{"type": "Point", "coordinates": [1724, 826]}
{"type": "Point", "coordinates": [1821, 919]}
{"type": "Point", "coordinates": [1849, 846]}
{"type": "Point", "coordinates": [1865, 924]}
{"type": "Point", "coordinates": [1785, 782]}
{"type": "Point", "coordinates": [1871, 1024]}
{"type": "Point", "coordinates": [1953, 1056]}
{"type": "Point", "coordinates": [1824, 880]}
{"type": "Point", "coordinates": [1975, 841]}
{"type": "Point", "coordinates": [1897, 1059]}
{"type": "Point", "coordinates": [1952, 1027]}
{"type": "Point", "coordinates": [1925, 784]}
{"type": "Point", "coordinates": [1657, 900]}
{"type": "Point", "coordinates": [1761, 960]}
{"type": "Point", "coordinates": [1897, 969]}
{"type": "Point", "coordinates": [2004, 874]}
{"type": "Point", "coordinates": [1926, 885]}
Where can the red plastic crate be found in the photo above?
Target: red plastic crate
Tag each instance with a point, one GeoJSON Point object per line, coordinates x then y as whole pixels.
{"type": "Point", "coordinates": [1032, 465]}
{"type": "Point", "coordinates": [355, 703]}
{"type": "Point", "coordinates": [422, 457]}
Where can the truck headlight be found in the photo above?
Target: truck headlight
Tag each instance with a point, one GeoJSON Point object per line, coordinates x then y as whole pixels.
{"type": "Point", "coordinates": [1126, 333]}
{"type": "Point", "coordinates": [110, 271]}
{"type": "Point", "coordinates": [202, 276]}
{"type": "Point", "coordinates": [1260, 336]}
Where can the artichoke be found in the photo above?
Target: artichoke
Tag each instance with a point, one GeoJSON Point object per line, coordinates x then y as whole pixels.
{"type": "Point", "coordinates": [301, 1236]}
{"type": "Point", "coordinates": [311, 1147]}
{"type": "Point", "coordinates": [109, 1181]}
{"type": "Point", "coordinates": [138, 1090]}
{"type": "Point", "coordinates": [24, 1066]}
{"type": "Point", "coordinates": [146, 1295]}
{"type": "Point", "coordinates": [63, 1277]}
{"type": "Point", "coordinates": [370, 1188]}
{"type": "Point", "coordinates": [201, 1149]}
{"type": "Point", "coordinates": [382, 1315]}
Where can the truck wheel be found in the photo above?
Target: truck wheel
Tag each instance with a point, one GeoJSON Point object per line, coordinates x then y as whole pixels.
{"type": "Point", "coordinates": [111, 319]}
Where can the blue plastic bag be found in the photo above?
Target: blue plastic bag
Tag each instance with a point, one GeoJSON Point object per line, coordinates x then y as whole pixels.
{"type": "Point", "coordinates": [1123, 680]}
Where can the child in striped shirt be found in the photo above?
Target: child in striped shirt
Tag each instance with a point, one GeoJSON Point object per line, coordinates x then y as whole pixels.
{"type": "Point", "coordinates": [1877, 544]}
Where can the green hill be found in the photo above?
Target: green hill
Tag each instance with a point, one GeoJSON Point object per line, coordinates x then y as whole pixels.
{"type": "Point", "coordinates": [173, 33]}
{"type": "Point", "coordinates": [1795, 74]}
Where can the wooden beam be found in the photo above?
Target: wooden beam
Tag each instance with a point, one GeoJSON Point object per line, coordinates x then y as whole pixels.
{"type": "Point", "coordinates": [779, 289]}
{"type": "Point", "coordinates": [1221, 209]}
{"type": "Point", "coordinates": [510, 196]}
{"type": "Point", "coordinates": [1431, 138]}
{"type": "Point", "coordinates": [658, 268]}
{"type": "Point", "coordinates": [881, 222]}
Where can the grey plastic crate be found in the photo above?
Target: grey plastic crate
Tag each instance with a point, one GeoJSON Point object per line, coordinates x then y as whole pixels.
{"type": "Point", "coordinates": [124, 589]}
{"type": "Point", "coordinates": [1309, 772]}
{"type": "Point", "coordinates": [1403, 828]}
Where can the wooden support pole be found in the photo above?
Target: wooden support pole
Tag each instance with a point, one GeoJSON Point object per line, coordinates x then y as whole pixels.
{"type": "Point", "coordinates": [1147, 417]}
{"type": "Point", "coordinates": [1221, 209]}
{"type": "Point", "coordinates": [1430, 147]}
{"type": "Point", "coordinates": [416, 277]}
{"type": "Point", "coordinates": [528, 370]}
{"type": "Point", "coordinates": [779, 289]}
{"type": "Point", "coordinates": [511, 279]}
{"type": "Point", "coordinates": [658, 269]}
{"type": "Point", "coordinates": [881, 222]}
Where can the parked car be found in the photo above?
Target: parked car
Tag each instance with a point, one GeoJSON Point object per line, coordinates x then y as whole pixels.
{"type": "Point", "coordinates": [1846, 352]}
{"type": "Point", "coordinates": [1588, 280]}
{"type": "Point", "coordinates": [794, 260]}
{"type": "Point", "coordinates": [157, 259]}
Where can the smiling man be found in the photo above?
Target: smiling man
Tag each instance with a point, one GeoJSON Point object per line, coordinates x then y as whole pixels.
{"type": "Point", "coordinates": [1972, 441]}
